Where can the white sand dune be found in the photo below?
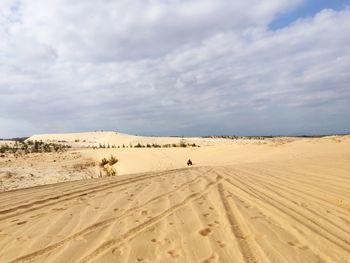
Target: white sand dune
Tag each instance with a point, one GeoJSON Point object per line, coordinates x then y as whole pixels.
{"type": "Point", "coordinates": [274, 201]}
{"type": "Point", "coordinates": [118, 139]}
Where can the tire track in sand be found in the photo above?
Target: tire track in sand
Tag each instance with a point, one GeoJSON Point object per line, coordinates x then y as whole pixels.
{"type": "Point", "coordinates": [131, 233]}
{"type": "Point", "coordinates": [314, 222]}
{"type": "Point", "coordinates": [104, 223]}
{"type": "Point", "coordinates": [267, 204]}
{"type": "Point", "coordinates": [251, 251]}
{"type": "Point", "coordinates": [73, 195]}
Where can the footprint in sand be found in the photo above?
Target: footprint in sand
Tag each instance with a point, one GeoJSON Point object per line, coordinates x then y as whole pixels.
{"type": "Point", "coordinates": [221, 244]}
{"type": "Point", "coordinates": [174, 253]}
{"type": "Point", "coordinates": [21, 223]}
{"type": "Point", "coordinates": [206, 214]}
{"type": "Point", "coordinates": [118, 251]}
{"type": "Point", "coordinates": [212, 259]}
{"type": "Point", "coordinates": [23, 238]}
{"type": "Point", "coordinates": [298, 245]}
{"type": "Point", "coordinates": [205, 231]}
{"type": "Point", "coordinates": [144, 212]}
{"type": "Point", "coordinates": [214, 224]}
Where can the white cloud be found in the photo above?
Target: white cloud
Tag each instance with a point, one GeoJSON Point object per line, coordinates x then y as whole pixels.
{"type": "Point", "coordinates": [186, 64]}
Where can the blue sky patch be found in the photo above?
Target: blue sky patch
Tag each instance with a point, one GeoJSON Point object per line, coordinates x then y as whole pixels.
{"type": "Point", "coordinates": [308, 9]}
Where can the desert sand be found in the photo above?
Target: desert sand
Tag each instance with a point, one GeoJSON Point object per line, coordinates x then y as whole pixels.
{"type": "Point", "coordinates": [273, 200]}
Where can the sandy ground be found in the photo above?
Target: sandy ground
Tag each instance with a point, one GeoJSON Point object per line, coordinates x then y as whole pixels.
{"type": "Point", "coordinates": [263, 201]}
{"type": "Point", "coordinates": [44, 168]}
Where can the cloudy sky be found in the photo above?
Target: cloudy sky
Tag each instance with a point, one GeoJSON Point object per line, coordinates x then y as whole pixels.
{"type": "Point", "coordinates": [175, 67]}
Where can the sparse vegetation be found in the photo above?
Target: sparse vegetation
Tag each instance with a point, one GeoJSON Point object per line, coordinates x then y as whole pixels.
{"type": "Point", "coordinates": [139, 145]}
{"type": "Point", "coordinates": [110, 171]}
{"type": "Point", "coordinates": [183, 143]}
{"type": "Point", "coordinates": [112, 160]}
{"type": "Point", "coordinates": [233, 137]}
{"type": "Point", "coordinates": [107, 166]}
{"type": "Point", "coordinates": [103, 162]}
{"type": "Point", "coordinates": [26, 147]}
{"type": "Point", "coordinates": [83, 166]}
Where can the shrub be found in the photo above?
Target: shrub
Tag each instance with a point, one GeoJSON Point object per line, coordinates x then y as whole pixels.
{"type": "Point", "coordinates": [33, 147]}
{"type": "Point", "coordinates": [112, 160]}
{"type": "Point", "coordinates": [183, 143]}
{"type": "Point", "coordinates": [110, 171]}
{"type": "Point", "coordinates": [103, 162]}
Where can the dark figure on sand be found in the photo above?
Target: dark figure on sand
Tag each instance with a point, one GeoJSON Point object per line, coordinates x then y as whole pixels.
{"type": "Point", "coordinates": [189, 162]}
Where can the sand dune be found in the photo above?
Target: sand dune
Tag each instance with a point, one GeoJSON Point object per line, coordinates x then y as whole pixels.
{"type": "Point", "coordinates": [119, 139]}
{"type": "Point", "coordinates": [281, 201]}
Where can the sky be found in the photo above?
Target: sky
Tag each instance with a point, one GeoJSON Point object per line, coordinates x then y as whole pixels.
{"type": "Point", "coordinates": [175, 67]}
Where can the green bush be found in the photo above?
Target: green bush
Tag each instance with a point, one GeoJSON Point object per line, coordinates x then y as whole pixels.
{"type": "Point", "coordinates": [110, 171]}
{"type": "Point", "coordinates": [138, 145]}
{"type": "Point", "coordinates": [103, 162]}
{"type": "Point", "coordinates": [112, 160]}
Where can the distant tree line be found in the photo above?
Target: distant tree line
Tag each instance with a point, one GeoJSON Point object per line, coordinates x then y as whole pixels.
{"type": "Point", "coordinates": [182, 143]}
{"type": "Point", "coordinates": [233, 137]}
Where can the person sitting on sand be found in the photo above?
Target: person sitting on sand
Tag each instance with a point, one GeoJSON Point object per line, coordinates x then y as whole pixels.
{"type": "Point", "coordinates": [189, 162]}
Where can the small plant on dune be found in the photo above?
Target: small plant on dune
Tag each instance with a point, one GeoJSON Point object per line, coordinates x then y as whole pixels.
{"type": "Point", "coordinates": [112, 160]}
{"type": "Point", "coordinates": [183, 143]}
{"type": "Point", "coordinates": [110, 171]}
{"type": "Point", "coordinates": [107, 166]}
{"type": "Point", "coordinates": [103, 162]}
